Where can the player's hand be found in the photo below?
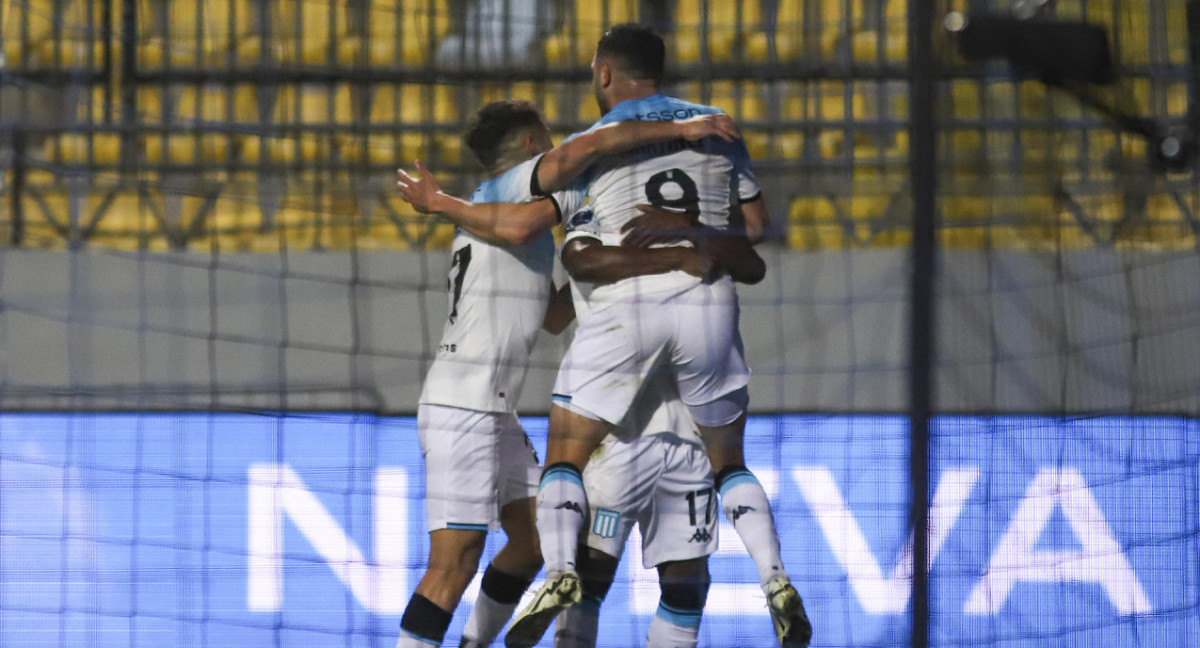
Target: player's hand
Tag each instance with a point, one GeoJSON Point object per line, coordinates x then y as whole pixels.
{"type": "Point", "coordinates": [702, 126]}
{"type": "Point", "coordinates": [693, 262]}
{"type": "Point", "coordinates": [420, 192]}
{"type": "Point", "coordinates": [656, 225]}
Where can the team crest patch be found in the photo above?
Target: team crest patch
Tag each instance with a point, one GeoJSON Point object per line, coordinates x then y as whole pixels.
{"type": "Point", "coordinates": [581, 218]}
{"type": "Point", "coordinates": [605, 523]}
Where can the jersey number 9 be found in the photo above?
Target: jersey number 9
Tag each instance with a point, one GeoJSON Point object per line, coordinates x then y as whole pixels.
{"type": "Point", "coordinates": [689, 196]}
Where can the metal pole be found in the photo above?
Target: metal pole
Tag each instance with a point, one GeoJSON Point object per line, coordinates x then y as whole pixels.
{"type": "Point", "coordinates": [922, 158]}
{"type": "Point", "coordinates": [1193, 29]}
{"type": "Point", "coordinates": [17, 195]}
{"type": "Point", "coordinates": [129, 81]}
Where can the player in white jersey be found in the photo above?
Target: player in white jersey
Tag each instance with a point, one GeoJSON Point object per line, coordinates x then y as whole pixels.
{"type": "Point", "coordinates": [480, 468]}
{"type": "Point", "coordinates": [670, 322]}
{"type": "Point", "coordinates": [652, 471]}
{"type": "Point", "coordinates": [662, 482]}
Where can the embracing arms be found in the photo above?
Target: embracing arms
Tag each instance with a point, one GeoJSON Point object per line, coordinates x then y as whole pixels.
{"type": "Point", "coordinates": [520, 224]}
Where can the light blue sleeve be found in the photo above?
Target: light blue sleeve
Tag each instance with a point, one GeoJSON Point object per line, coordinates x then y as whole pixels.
{"type": "Point", "coordinates": [513, 186]}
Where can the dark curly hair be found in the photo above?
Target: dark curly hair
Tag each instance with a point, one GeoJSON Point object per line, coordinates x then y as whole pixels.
{"type": "Point", "coordinates": [494, 123]}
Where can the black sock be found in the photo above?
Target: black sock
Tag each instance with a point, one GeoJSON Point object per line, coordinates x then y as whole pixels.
{"type": "Point", "coordinates": [502, 587]}
{"type": "Point", "coordinates": [425, 620]}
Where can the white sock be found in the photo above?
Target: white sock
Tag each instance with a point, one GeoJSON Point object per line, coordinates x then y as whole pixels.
{"type": "Point", "coordinates": [578, 625]}
{"type": "Point", "coordinates": [489, 614]}
{"type": "Point", "coordinates": [745, 504]}
{"type": "Point", "coordinates": [487, 619]}
{"type": "Point", "coordinates": [561, 507]}
{"type": "Point", "coordinates": [671, 628]}
{"type": "Point", "coordinates": [410, 641]}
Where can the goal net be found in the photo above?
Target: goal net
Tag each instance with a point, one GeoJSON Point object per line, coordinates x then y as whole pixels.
{"type": "Point", "coordinates": [216, 314]}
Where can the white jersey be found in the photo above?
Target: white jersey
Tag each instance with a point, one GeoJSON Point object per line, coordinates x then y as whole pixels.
{"type": "Point", "coordinates": [703, 178]}
{"type": "Point", "coordinates": [497, 301]}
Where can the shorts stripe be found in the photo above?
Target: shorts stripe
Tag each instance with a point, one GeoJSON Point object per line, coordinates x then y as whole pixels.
{"type": "Point", "coordinates": [463, 526]}
{"type": "Point", "coordinates": [681, 618]}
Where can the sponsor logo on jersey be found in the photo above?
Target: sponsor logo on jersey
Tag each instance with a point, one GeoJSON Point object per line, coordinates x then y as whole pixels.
{"type": "Point", "coordinates": [570, 506]}
{"type": "Point", "coordinates": [701, 535]}
{"type": "Point", "coordinates": [605, 523]}
{"type": "Point", "coordinates": [669, 114]}
{"type": "Point", "coordinates": [739, 512]}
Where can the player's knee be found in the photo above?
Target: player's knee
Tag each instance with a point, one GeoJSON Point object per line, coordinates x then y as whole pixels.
{"type": "Point", "coordinates": [725, 410]}
{"type": "Point", "coordinates": [526, 557]}
{"type": "Point", "coordinates": [452, 551]}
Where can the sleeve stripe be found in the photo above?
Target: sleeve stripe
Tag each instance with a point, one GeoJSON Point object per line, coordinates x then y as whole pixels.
{"type": "Point", "coordinates": [535, 189]}
{"type": "Point", "coordinates": [757, 196]}
{"type": "Point", "coordinates": [557, 207]}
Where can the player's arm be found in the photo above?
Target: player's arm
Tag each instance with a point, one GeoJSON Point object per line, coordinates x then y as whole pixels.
{"type": "Point", "coordinates": [735, 255]}
{"type": "Point", "coordinates": [560, 312]}
{"type": "Point", "coordinates": [565, 162]}
{"type": "Point", "coordinates": [503, 223]}
{"type": "Point", "coordinates": [590, 261]}
{"type": "Point", "coordinates": [729, 250]}
{"type": "Point", "coordinates": [755, 219]}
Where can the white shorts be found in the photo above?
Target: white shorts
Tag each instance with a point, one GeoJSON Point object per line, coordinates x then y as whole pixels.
{"type": "Point", "coordinates": [663, 484]}
{"type": "Point", "coordinates": [475, 463]}
{"type": "Point", "coordinates": [693, 336]}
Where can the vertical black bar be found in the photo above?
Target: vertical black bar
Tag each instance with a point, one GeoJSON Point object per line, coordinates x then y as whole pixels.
{"type": "Point", "coordinates": [922, 158]}
{"type": "Point", "coordinates": [106, 20]}
{"type": "Point", "coordinates": [1193, 29]}
{"type": "Point", "coordinates": [129, 81]}
{"type": "Point", "coordinates": [17, 195]}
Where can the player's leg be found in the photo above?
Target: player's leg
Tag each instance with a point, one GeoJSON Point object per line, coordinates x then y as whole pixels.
{"type": "Point", "coordinates": [561, 513]}
{"type": "Point", "coordinates": [711, 370]}
{"type": "Point", "coordinates": [562, 500]}
{"type": "Point", "coordinates": [684, 587]}
{"type": "Point", "coordinates": [578, 625]}
{"type": "Point", "coordinates": [678, 535]}
{"type": "Point", "coordinates": [462, 480]}
{"type": "Point", "coordinates": [598, 381]}
{"type": "Point", "coordinates": [518, 561]}
{"type": "Point", "coordinates": [453, 561]}
{"type": "Point", "coordinates": [712, 375]}
{"type": "Point", "coordinates": [742, 496]}
{"type": "Point", "coordinates": [506, 577]}
{"type": "Point", "coordinates": [746, 506]}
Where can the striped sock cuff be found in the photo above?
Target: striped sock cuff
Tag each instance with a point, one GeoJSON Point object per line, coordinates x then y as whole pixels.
{"type": "Point", "coordinates": [741, 475]}
{"type": "Point", "coordinates": [677, 617]}
{"type": "Point", "coordinates": [561, 471]}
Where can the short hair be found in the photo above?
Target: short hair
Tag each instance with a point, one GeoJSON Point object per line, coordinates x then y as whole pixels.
{"type": "Point", "coordinates": [638, 49]}
{"type": "Point", "coordinates": [492, 125]}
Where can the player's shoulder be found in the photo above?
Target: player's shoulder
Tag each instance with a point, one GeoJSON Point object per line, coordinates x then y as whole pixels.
{"type": "Point", "coordinates": [657, 107]}
{"type": "Point", "coordinates": [511, 186]}
{"type": "Point", "coordinates": [667, 108]}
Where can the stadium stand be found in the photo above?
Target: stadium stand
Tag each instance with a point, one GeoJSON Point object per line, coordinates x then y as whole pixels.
{"type": "Point", "coordinates": [584, 23]}
{"type": "Point", "coordinates": [718, 30]}
{"type": "Point", "coordinates": [845, 129]}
